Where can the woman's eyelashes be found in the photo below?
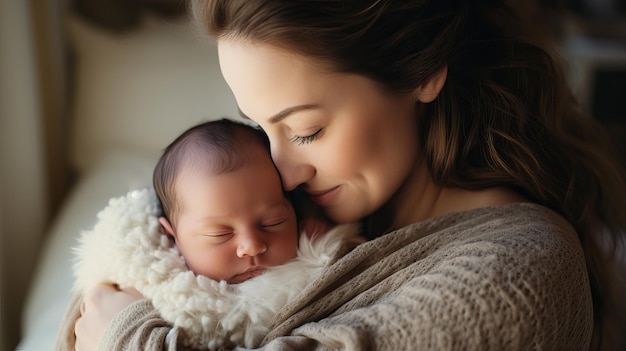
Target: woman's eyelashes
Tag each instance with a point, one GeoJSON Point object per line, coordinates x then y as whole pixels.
{"type": "Point", "coordinates": [302, 140]}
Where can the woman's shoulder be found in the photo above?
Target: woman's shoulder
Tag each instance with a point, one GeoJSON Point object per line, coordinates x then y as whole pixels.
{"type": "Point", "coordinates": [512, 237]}
{"type": "Point", "coordinates": [522, 226]}
{"type": "Point", "coordinates": [518, 266]}
{"type": "Point", "coordinates": [519, 222]}
{"type": "Point", "coordinates": [514, 244]}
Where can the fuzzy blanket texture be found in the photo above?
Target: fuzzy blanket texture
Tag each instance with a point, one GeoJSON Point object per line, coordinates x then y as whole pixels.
{"type": "Point", "coordinates": [128, 247]}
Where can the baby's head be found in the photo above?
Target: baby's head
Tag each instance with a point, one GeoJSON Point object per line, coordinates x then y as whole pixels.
{"type": "Point", "coordinates": [223, 202]}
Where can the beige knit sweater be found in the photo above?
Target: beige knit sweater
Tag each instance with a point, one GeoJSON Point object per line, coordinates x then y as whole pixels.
{"type": "Point", "coordinates": [510, 277]}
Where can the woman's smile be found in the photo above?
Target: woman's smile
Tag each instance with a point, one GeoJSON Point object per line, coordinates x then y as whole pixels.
{"type": "Point", "coordinates": [324, 197]}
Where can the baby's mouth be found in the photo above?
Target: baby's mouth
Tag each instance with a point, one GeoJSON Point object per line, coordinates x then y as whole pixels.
{"type": "Point", "coordinates": [248, 274]}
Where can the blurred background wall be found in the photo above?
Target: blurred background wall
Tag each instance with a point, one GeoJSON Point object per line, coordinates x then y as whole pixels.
{"type": "Point", "coordinates": [23, 202]}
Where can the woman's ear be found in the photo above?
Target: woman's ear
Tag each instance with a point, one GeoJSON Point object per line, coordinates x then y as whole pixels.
{"type": "Point", "coordinates": [167, 227]}
{"type": "Point", "coordinates": [429, 91]}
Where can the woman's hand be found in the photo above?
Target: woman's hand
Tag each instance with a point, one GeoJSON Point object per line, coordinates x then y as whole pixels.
{"type": "Point", "coordinates": [100, 306]}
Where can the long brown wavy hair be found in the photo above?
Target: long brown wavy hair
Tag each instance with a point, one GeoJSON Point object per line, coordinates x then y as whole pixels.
{"type": "Point", "coordinates": [505, 117]}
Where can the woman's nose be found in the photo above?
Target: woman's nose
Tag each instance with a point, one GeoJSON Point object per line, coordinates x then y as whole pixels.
{"type": "Point", "coordinates": [294, 170]}
{"type": "Point", "coordinates": [250, 244]}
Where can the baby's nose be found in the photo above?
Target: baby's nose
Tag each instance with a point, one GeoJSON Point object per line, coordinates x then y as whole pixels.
{"type": "Point", "coordinates": [250, 244]}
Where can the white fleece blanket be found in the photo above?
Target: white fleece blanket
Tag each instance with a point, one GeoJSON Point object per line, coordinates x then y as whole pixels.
{"type": "Point", "coordinates": [128, 247]}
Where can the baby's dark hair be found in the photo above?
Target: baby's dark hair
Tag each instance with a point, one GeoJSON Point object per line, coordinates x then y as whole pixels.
{"type": "Point", "coordinates": [215, 147]}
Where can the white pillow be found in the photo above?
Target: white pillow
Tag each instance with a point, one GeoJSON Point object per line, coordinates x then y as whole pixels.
{"type": "Point", "coordinates": [139, 90]}
{"type": "Point", "coordinates": [112, 175]}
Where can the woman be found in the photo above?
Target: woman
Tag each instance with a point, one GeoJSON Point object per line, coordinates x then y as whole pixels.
{"type": "Point", "coordinates": [446, 128]}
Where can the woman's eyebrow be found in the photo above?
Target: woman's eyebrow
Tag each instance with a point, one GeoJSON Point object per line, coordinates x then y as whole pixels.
{"type": "Point", "coordinates": [284, 113]}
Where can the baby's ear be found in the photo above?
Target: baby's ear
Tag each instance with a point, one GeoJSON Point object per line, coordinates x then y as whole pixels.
{"type": "Point", "coordinates": [167, 227]}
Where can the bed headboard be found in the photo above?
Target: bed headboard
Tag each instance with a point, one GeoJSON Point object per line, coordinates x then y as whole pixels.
{"type": "Point", "coordinates": [56, 62]}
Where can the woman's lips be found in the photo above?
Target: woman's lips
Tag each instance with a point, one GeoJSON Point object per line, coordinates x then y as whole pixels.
{"type": "Point", "coordinates": [323, 198]}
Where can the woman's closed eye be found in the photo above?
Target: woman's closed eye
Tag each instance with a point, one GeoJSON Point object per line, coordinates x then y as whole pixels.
{"type": "Point", "coordinates": [302, 140]}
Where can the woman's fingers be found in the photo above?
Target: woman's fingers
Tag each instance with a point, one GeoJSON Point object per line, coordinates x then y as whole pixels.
{"type": "Point", "coordinates": [101, 304]}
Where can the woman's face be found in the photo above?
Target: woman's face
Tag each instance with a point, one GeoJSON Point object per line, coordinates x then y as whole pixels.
{"type": "Point", "coordinates": [349, 144]}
